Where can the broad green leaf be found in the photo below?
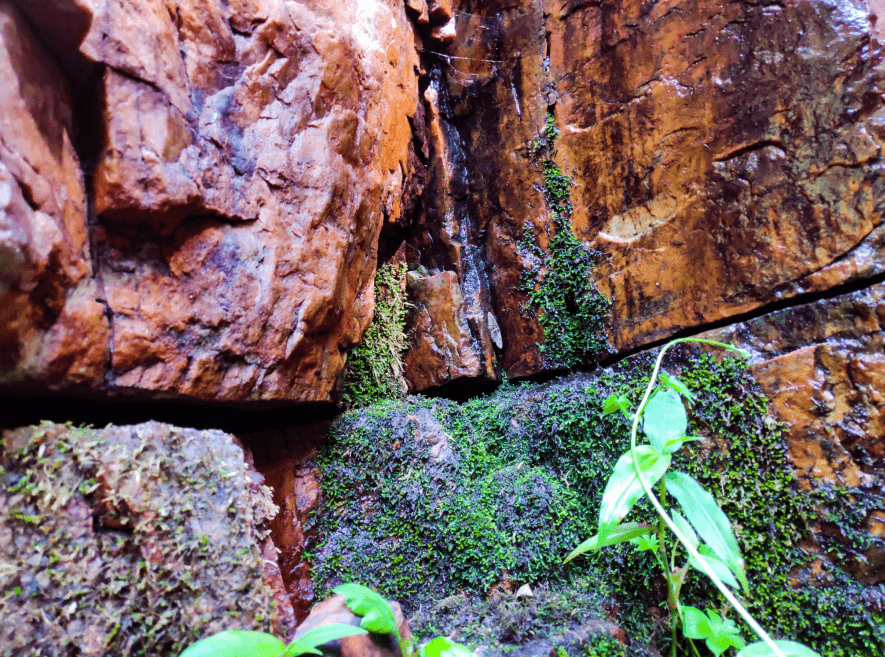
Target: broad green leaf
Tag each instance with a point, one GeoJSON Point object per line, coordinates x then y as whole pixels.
{"type": "Point", "coordinates": [623, 489]}
{"type": "Point", "coordinates": [664, 419]}
{"type": "Point", "coordinates": [676, 384]}
{"type": "Point", "coordinates": [621, 533]}
{"type": "Point", "coordinates": [375, 610]}
{"type": "Point", "coordinates": [708, 520]}
{"type": "Point", "coordinates": [718, 634]}
{"type": "Point", "coordinates": [237, 643]}
{"type": "Point", "coordinates": [617, 403]}
{"type": "Point", "coordinates": [323, 634]}
{"type": "Point", "coordinates": [686, 529]}
{"type": "Point", "coordinates": [789, 648]}
{"type": "Point", "coordinates": [695, 623]}
{"type": "Point", "coordinates": [442, 647]}
{"type": "Point", "coordinates": [719, 569]}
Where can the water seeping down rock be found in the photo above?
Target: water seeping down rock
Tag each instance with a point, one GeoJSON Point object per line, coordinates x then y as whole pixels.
{"type": "Point", "coordinates": [195, 195]}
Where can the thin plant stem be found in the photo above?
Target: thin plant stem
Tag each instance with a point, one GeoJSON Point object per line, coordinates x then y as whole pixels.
{"type": "Point", "coordinates": [694, 648]}
{"type": "Point", "coordinates": [756, 627]}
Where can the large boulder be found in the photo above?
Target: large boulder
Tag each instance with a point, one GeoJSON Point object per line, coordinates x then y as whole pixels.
{"type": "Point", "coordinates": [243, 157]}
{"type": "Point", "coordinates": [721, 159]}
{"type": "Point", "coordinates": [132, 539]}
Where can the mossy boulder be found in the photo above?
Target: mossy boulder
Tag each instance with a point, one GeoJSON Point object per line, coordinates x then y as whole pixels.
{"type": "Point", "coordinates": [520, 488]}
{"type": "Point", "coordinates": [131, 540]}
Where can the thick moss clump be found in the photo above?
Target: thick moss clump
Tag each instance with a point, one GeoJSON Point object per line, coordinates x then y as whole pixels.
{"type": "Point", "coordinates": [127, 540]}
{"type": "Point", "coordinates": [374, 369]}
{"type": "Point", "coordinates": [559, 284]}
{"type": "Point", "coordinates": [427, 498]}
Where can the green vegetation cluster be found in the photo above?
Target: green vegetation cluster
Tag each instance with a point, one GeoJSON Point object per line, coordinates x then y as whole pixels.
{"type": "Point", "coordinates": [374, 369]}
{"type": "Point", "coordinates": [559, 285]}
{"type": "Point", "coordinates": [116, 542]}
{"type": "Point", "coordinates": [426, 498]}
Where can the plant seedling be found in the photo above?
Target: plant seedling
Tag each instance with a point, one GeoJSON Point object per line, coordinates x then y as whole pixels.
{"type": "Point", "coordinates": [701, 528]}
{"type": "Point", "coordinates": [241, 643]}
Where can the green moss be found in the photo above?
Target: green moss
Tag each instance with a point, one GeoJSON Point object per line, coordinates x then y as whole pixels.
{"type": "Point", "coordinates": [559, 285]}
{"type": "Point", "coordinates": [374, 369]}
{"type": "Point", "coordinates": [102, 548]}
{"type": "Point", "coordinates": [519, 485]}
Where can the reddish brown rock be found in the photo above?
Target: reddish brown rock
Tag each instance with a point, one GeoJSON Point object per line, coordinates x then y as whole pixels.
{"type": "Point", "coordinates": [718, 164]}
{"type": "Point", "coordinates": [441, 348]}
{"type": "Point", "coordinates": [286, 460]}
{"type": "Point", "coordinates": [333, 610]}
{"type": "Point", "coordinates": [53, 332]}
{"type": "Point", "coordinates": [250, 152]}
{"type": "Point", "coordinates": [823, 367]}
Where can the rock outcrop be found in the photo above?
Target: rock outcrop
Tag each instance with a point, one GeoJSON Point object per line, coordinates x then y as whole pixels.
{"type": "Point", "coordinates": [250, 153]}
{"type": "Point", "coordinates": [721, 158]}
{"type": "Point", "coordinates": [132, 539]}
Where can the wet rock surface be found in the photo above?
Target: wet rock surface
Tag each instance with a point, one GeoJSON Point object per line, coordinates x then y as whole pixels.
{"type": "Point", "coordinates": [823, 367]}
{"type": "Point", "coordinates": [131, 539]}
{"type": "Point", "coordinates": [721, 158]}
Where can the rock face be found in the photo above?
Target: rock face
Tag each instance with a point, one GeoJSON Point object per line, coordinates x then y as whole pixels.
{"type": "Point", "coordinates": [823, 367]}
{"type": "Point", "coordinates": [128, 539]}
{"type": "Point", "coordinates": [53, 330]}
{"type": "Point", "coordinates": [721, 158]}
{"type": "Point", "coordinates": [250, 153]}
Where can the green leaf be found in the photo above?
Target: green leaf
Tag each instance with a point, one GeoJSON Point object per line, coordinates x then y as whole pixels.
{"type": "Point", "coordinates": [621, 533]}
{"type": "Point", "coordinates": [647, 543]}
{"type": "Point", "coordinates": [676, 384]}
{"type": "Point", "coordinates": [442, 647]}
{"type": "Point", "coordinates": [695, 623]}
{"type": "Point", "coordinates": [299, 648]}
{"type": "Point", "coordinates": [719, 634]}
{"type": "Point", "coordinates": [686, 529]}
{"type": "Point", "coordinates": [664, 419]}
{"type": "Point", "coordinates": [617, 403]}
{"type": "Point", "coordinates": [375, 610]}
{"type": "Point", "coordinates": [623, 489]}
{"type": "Point", "coordinates": [708, 520]}
{"type": "Point", "coordinates": [789, 648]}
{"type": "Point", "coordinates": [719, 569]}
{"type": "Point", "coordinates": [320, 635]}
{"type": "Point", "coordinates": [237, 643]}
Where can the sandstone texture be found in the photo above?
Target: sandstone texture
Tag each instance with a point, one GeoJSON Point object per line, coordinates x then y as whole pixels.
{"type": "Point", "coordinates": [721, 158]}
{"type": "Point", "coordinates": [53, 330]}
{"type": "Point", "coordinates": [823, 367]}
{"type": "Point", "coordinates": [131, 539]}
{"type": "Point", "coordinates": [243, 158]}
{"type": "Point", "coordinates": [334, 610]}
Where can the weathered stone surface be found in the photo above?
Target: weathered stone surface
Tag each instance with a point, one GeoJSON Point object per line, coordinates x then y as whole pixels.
{"type": "Point", "coordinates": [823, 367]}
{"type": "Point", "coordinates": [723, 157]}
{"type": "Point", "coordinates": [286, 460]}
{"type": "Point", "coordinates": [127, 539]}
{"type": "Point", "coordinates": [250, 153]}
{"type": "Point", "coordinates": [442, 348]}
{"type": "Point", "coordinates": [334, 610]}
{"type": "Point", "coordinates": [53, 330]}
{"type": "Point", "coordinates": [736, 151]}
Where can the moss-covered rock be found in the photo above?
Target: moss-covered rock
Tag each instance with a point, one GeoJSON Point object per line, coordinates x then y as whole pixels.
{"type": "Point", "coordinates": [516, 485]}
{"type": "Point", "coordinates": [127, 540]}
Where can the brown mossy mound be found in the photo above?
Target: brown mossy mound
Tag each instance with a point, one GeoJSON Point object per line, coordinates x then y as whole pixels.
{"type": "Point", "coordinates": [127, 540]}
